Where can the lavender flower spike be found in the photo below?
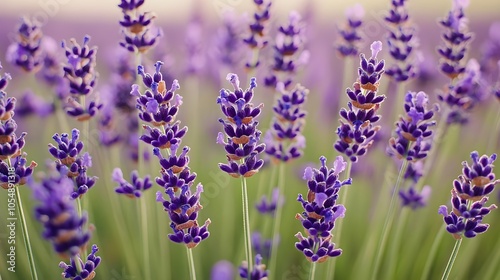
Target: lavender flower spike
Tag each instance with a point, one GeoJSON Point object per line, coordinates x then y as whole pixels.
{"type": "Point", "coordinates": [59, 216]}
{"type": "Point", "coordinates": [26, 52]}
{"type": "Point", "coordinates": [469, 196]}
{"type": "Point", "coordinates": [349, 34]}
{"type": "Point", "coordinates": [357, 126]}
{"type": "Point", "coordinates": [321, 211]}
{"type": "Point", "coordinates": [401, 42]}
{"type": "Point", "coordinates": [412, 198]}
{"type": "Point", "coordinates": [413, 130]}
{"type": "Point", "coordinates": [241, 139]}
{"type": "Point", "coordinates": [133, 189]}
{"type": "Point", "coordinates": [88, 268]}
{"type": "Point", "coordinates": [258, 271]}
{"type": "Point", "coordinates": [137, 33]}
{"type": "Point", "coordinates": [257, 38]}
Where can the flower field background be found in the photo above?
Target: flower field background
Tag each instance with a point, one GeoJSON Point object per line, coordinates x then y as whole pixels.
{"type": "Point", "coordinates": [199, 50]}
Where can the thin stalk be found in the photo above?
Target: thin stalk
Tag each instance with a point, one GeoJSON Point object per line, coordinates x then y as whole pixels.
{"type": "Point", "coordinates": [312, 272]}
{"type": "Point", "coordinates": [388, 221]}
{"type": "Point", "coordinates": [192, 270]}
{"type": "Point", "coordinates": [277, 220]}
{"type": "Point", "coordinates": [78, 264]}
{"type": "Point", "coordinates": [451, 261]}
{"type": "Point", "coordinates": [493, 140]}
{"type": "Point", "coordinates": [26, 237]}
{"type": "Point", "coordinates": [432, 254]}
{"type": "Point", "coordinates": [145, 237]}
{"type": "Point", "coordinates": [330, 273]}
{"type": "Point", "coordinates": [395, 244]}
{"type": "Point", "coordinates": [246, 225]}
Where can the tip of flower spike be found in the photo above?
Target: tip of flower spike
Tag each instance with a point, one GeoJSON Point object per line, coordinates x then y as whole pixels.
{"type": "Point", "coordinates": [175, 85]}
{"type": "Point", "coordinates": [158, 65]}
{"type": "Point", "coordinates": [86, 39]}
{"type": "Point", "coordinates": [323, 161]}
{"type": "Point", "coordinates": [356, 12]}
{"type": "Point", "coordinates": [375, 47]}
{"type": "Point", "coordinates": [140, 70]}
{"type": "Point", "coordinates": [421, 99]}
{"type": "Point", "coordinates": [443, 210]}
{"type": "Point", "coordinates": [253, 83]}
{"type": "Point", "coordinates": [233, 79]}
{"type": "Point", "coordinates": [117, 175]}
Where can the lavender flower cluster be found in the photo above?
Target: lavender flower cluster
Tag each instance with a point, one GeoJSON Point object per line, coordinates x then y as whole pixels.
{"type": "Point", "coordinates": [469, 196]}
{"type": "Point", "coordinates": [321, 210]}
{"type": "Point", "coordinates": [159, 107]}
{"type": "Point", "coordinates": [357, 129]}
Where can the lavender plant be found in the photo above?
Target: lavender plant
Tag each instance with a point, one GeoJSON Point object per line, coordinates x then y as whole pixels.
{"type": "Point", "coordinates": [468, 198]}
{"type": "Point", "coordinates": [257, 39]}
{"type": "Point", "coordinates": [14, 174]}
{"type": "Point", "coordinates": [26, 52]}
{"type": "Point", "coordinates": [350, 35]}
{"type": "Point", "coordinates": [321, 211]}
{"type": "Point", "coordinates": [241, 142]}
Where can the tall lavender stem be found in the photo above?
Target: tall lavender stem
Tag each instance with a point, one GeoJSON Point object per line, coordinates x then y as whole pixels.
{"type": "Point", "coordinates": [451, 261]}
{"type": "Point", "coordinates": [246, 224]}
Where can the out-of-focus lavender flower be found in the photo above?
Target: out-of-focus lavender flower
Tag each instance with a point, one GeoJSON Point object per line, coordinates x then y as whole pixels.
{"type": "Point", "coordinates": [51, 71]}
{"type": "Point", "coordinates": [241, 137]}
{"type": "Point", "coordinates": [228, 44]}
{"type": "Point", "coordinates": [289, 52]}
{"type": "Point", "coordinates": [413, 130]}
{"type": "Point", "coordinates": [456, 39]}
{"type": "Point", "coordinates": [468, 197]}
{"type": "Point", "coordinates": [350, 37]}
{"type": "Point", "coordinates": [137, 27]}
{"type": "Point", "coordinates": [133, 189]}
{"type": "Point", "coordinates": [4, 81]}
{"type": "Point", "coordinates": [491, 49]}
{"type": "Point", "coordinates": [258, 272]}
{"type": "Point", "coordinates": [71, 163]}
{"type": "Point", "coordinates": [88, 268]}
{"type": "Point", "coordinates": [401, 41]}
{"type": "Point", "coordinates": [32, 104]}
{"type": "Point", "coordinates": [26, 52]}
{"type": "Point", "coordinates": [81, 77]}
{"type": "Point", "coordinates": [265, 206]}
{"type": "Point", "coordinates": [59, 216]}
{"type": "Point", "coordinates": [194, 45]}
{"type": "Point", "coordinates": [321, 210]}
{"type": "Point", "coordinates": [284, 141]}
{"type": "Point", "coordinates": [257, 39]}
{"type": "Point", "coordinates": [222, 270]}
{"type": "Point", "coordinates": [414, 171]}
{"type": "Point", "coordinates": [412, 198]}
{"type": "Point", "coordinates": [465, 94]}
{"type": "Point", "coordinates": [357, 130]}
{"type": "Point", "coordinates": [262, 246]}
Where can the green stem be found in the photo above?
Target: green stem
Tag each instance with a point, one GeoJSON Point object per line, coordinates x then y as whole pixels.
{"type": "Point", "coordinates": [432, 254]}
{"type": "Point", "coordinates": [451, 261]}
{"type": "Point", "coordinates": [277, 219]}
{"type": "Point", "coordinates": [394, 249]}
{"type": "Point", "coordinates": [145, 237]}
{"type": "Point", "coordinates": [330, 273]}
{"type": "Point", "coordinates": [192, 270]}
{"type": "Point", "coordinates": [493, 264]}
{"type": "Point", "coordinates": [493, 140]}
{"type": "Point", "coordinates": [78, 264]}
{"type": "Point", "coordinates": [312, 272]}
{"type": "Point", "coordinates": [246, 225]}
{"type": "Point", "coordinates": [26, 237]}
{"type": "Point", "coordinates": [388, 221]}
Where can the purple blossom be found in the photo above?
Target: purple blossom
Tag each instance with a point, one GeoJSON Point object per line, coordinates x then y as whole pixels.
{"type": "Point", "coordinates": [27, 52]}
{"type": "Point", "coordinates": [413, 198]}
{"type": "Point", "coordinates": [241, 134]}
{"type": "Point", "coordinates": [469, 196]}
{"type": "Point", "coordinates": [321, 210]}
{"type": "Point", "coordinates": [138, 35]}
{"type": "Point", "coordinates": [284, 141]}
{"type": "Point", "coordinates": [228, 44]}
{"type": "Point", "coordinates": [401, 42]}
{"type": "Point", "coordinates": [350, 37]}
{"type": "Point", "coordinates": [21, 173]}
{"type": "Point", "coordinates": [81, 77]}
{"type": "Point", "coordinates": [457, 38]}
{"type": "Point", "coordinates": [262, 246]}
{"type": "Point", "coordinates": [88, 268]}
{"type": "Point", "coordinates": [413, 130]}
{"type": "Point", "coordinates": [59, 216]}
{"type": "Point", "coordinates": [133, 189]}
{"type": "Point", "coordinates": [289, 52]}
{"type": "Point", "coordinates": [265, 206]}
{"type": "Point", "coordinates": [257, 39]}
{"type": "Point", "coordinates": [222, 270]}
{"type": "Point", "coordinates": [357, 129]}
{"type": "Point", "coordinates": [258, 272]}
